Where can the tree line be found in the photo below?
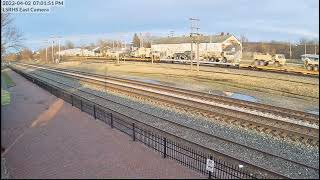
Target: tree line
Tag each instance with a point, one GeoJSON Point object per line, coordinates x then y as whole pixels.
{"type": "Point", "coordinates": [281, 48]}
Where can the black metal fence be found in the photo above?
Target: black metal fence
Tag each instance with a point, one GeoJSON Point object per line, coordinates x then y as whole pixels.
{"type": "Point", "coordinates": [168, 148]}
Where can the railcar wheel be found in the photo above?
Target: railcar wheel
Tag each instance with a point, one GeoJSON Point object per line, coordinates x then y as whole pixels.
{"type": "Point", "coordinates": [224, 60]}
{"type": "Point", "coordinates": [261, 63]}
{"type": "Point", "coordinates": [256, 63]}
{"type": "Point", "coordinates": [309, 68]}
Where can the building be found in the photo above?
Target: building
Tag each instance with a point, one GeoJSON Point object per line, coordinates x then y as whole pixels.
{"type": "Point", "coordinates": [215, 43]}
{"type": "Point", "coordinates": [76, 52]}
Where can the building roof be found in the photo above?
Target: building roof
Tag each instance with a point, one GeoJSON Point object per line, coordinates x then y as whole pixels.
{"type": "Point", "coordinates": [187, 39]}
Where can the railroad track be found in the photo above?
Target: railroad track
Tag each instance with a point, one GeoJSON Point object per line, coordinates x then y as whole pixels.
{"type": "Point", "coordinates": [246, 67]}
{"type": "Point", "coordinates": [283, 112]}
{"type": "Point", "coordinates": [280, 122]}
{"type": "Point", "coordinates": [251, 75]}
{"type": "Point", "coordinates": [254, 152]}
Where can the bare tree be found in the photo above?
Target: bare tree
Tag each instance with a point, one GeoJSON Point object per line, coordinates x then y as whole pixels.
{"type": "Point", "coordinates": [69, 45]}
{"type": "Point", "coordinates": [25, 55]}
{"type": "Point", "coordinates": [11, 38]}
{"type": "Point", "coordinates": [104, 44]}
{"type": "Point", "coordinates": [243, 38]}
{"type": "Point", "coordinates": [136, 40]}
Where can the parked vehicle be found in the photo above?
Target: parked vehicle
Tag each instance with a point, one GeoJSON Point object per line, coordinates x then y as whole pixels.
{"type": "Point", "coordinates": [186, 55]}
{"type": "Point", "coordinates": [221, 57]}
{"type": "Point", "coordinates": [141, 52]}
{"type": "Point", "coordinates": [310, 61]}
{"type": "Point", "coordinates": [268, 59]}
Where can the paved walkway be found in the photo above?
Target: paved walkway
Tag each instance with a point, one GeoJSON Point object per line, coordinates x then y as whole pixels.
{"type": "Point", "coordinates": [46, 137]}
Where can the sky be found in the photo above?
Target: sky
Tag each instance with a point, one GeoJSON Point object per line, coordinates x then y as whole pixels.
{"type": "Point", "coordinates": [86, 21]}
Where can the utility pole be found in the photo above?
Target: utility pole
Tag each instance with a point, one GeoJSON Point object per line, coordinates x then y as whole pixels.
{"type": "Point", "coordinates": [171, 33]}
{"type": "Point", "coordinates": [194, 34]}
{"type": "Point", "coordinates": [59, 48]}
{"type": "Point", "coordinates": [105, 78]}
{"type": "Point", "coordinates": [305, 48]}
{"type": "Point", "coordinates": [141, 40]}
{"type": "Point", "coordinates": [290, 49]}
{"type": "Point", "coordinates": [52, 51]}
{"type": "Point", "coordinates": [46, 54]}
{"type": "Point", "coordinates": [46, 44]}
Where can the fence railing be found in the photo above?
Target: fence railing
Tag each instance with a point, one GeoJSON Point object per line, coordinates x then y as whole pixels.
{"type": "Point", "coordinates": [167, 147]}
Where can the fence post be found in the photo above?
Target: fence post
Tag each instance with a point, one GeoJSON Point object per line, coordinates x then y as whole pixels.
{"type": "Point", "coordinates": [111, 120]}
{"type": "Point", "coordinates": [133, 132]}
{"type": "Point", "coordinates": [71, 100]}
{"type": "Point", "coordinates": [81, 104]}
{"type": "Point", "coordinates": [94, 111]}
{"type": "Point", "coordinates": [210, 173]}
{"type": "Point", "coordinates": [164, 147]}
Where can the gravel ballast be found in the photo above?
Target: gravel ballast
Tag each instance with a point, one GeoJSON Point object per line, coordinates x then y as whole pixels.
{"type": "Point", "coordinates": [304, 155]}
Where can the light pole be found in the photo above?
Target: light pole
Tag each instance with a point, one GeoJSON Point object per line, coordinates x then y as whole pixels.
{"type": "Point", "coordinates": [290, 49]}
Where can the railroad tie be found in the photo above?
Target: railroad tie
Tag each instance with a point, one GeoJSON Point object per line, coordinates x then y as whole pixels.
{"type": "Point", "coordinates": [252, 126]}
{"type": "Point", "coordinates": [267, 130]}
{"type": "Point", "coordinates": [260, 128]}
{"type": "Point", "coordinates": [283, 135]}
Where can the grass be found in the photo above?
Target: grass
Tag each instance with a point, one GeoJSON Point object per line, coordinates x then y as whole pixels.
{"type": "Point", "coordinates": [5, 97]}
{"type": "Point", "coordinates": [7, 79]}
{"type": "Point", "coordinates": [7, 82]}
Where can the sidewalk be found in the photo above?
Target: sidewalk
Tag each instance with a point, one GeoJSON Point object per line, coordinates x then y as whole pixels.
{"type": "Point", "coordinates": [46, 137]}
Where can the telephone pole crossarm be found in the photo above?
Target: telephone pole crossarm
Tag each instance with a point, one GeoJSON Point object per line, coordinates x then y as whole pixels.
{"type": "Point", "coordinates": [194, 35]}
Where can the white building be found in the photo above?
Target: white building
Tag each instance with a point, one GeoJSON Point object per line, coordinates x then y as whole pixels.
{"type": "Point", "coordinates": [216, 43]}
{"type": "Point", "coordinates": [76, 52]}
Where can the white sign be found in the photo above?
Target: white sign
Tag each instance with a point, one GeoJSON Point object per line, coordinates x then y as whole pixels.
{"type": "Point", "coordinates": [210, 165]}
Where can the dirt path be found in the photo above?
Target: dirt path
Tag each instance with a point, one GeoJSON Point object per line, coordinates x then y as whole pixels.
{"type": "Point", "coordinates": [45, 137]}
